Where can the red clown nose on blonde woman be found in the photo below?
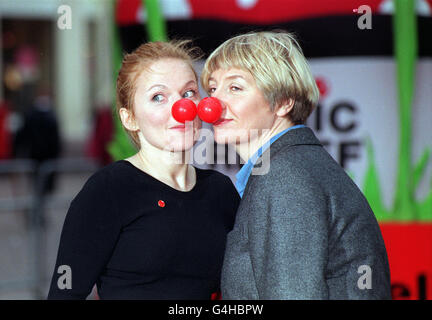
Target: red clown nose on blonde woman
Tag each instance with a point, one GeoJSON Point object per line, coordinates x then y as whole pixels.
{"type": "Point", "coordinates": [209, 109]}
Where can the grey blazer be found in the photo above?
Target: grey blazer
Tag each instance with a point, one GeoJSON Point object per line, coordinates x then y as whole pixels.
{"type": "Point", "coordinates": [304, 231]}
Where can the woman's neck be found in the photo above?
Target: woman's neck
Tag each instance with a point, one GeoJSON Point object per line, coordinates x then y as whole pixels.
{"type": "Point", "coordinates": [247, 149]}
{"type": "Point", "coordinates": [171, 168]}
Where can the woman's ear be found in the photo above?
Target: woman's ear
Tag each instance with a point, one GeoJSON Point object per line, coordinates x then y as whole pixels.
{"type": "Point", "coordinates": [285, 108]}
{"type": "Point", "coordinates": [128, 120]}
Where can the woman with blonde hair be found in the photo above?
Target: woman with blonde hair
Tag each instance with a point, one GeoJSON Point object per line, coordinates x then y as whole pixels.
{"type": "Point", "coordinates": [150, 226]}
{"type": "Point", "coordinates": [303, 229]}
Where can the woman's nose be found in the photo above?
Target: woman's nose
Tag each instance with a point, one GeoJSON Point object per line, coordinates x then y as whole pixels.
{"type": "Point", "coordinates": [218, 95]}
{"type": "Point", "coordinates": [215, 94]}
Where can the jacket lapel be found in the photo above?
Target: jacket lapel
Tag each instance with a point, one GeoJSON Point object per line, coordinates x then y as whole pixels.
{"type": "Point", "coordinates": [301, 136]}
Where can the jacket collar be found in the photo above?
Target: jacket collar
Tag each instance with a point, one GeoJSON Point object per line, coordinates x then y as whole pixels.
{"type": "Point", "coordinates": [301, 136]}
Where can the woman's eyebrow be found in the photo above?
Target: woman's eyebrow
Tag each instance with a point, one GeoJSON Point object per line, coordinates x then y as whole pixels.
{"type": "Point", "coordinates": [189, 83]}
{"type": "Point", "coordinates": [155, 86]}
{"type": "Point", "coordinates": [235, 76]}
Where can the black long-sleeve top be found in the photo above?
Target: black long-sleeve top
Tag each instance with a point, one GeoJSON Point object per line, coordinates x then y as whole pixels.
{"type": "Point", "coordinates": [138, 238]}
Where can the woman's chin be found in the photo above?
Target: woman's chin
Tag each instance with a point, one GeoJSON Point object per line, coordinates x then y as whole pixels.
{"type": "Point", "coordinates": [231, 136]}
{"type": "Point", "coordinates": [180, 146]}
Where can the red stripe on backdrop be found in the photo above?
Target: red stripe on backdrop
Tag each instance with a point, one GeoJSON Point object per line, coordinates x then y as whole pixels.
{"type": "Point", "coordinates": [409, 249]}
{"type": "Point", "coordinates": [271, 11]}
{"type": "Point", "coordinates": [255, 11]}
{"type": "Point", "coordinates": [127, 11]}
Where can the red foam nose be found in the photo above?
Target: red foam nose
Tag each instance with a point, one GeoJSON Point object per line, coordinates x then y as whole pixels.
{"type": "Point", "coordinates": [184, 110]}
{"type": "Point", "coordinates": [209, 109]}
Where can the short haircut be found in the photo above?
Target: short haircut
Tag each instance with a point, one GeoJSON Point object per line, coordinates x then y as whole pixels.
{"type": "Point", "coordinates": [278, 66]}
{"type": "Point", "coordinates": [139, 60]}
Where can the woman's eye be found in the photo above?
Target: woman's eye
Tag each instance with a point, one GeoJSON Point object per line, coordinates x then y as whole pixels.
{"type": "Point", "coordinates": [212, 90]}
{"type": "Point", "coordinates": [157, 98]}
{"type": "Point", "coordinates": [235, 88]}
{"type": "Point", "coordinates": [189, 94]}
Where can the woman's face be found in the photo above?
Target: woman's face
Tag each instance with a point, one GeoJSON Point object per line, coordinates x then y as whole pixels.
{"type": "Point", "coordinates": [167, 81]}
{"type": "Point", "coordinates": [244, 106]}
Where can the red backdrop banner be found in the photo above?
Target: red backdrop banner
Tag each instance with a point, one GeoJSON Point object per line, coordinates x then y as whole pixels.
{"type": "Point", "coordinates": [409, 249]}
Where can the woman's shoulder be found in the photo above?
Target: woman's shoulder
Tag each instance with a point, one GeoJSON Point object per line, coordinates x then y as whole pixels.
{"type": "Point", "coordinates": [216, 178]}
{"type": "Point", "coordinates": [225, 193]}
{"type": "Point", "coordinates": [106, 177]}
{"type": "Point", "coordinates": [106, 172]}
{"type": "Point", "coordinates": [212, 174]}
{"type": "Point", "coordinates": [106, 184]}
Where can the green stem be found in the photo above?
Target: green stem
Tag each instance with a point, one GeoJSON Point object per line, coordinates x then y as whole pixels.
{"type": "Point", "coordinates": [405, 44]}
{"type": "Point", "coordinates": [120, 147]}
{"type": "Point", "coordinates": [156, 29]}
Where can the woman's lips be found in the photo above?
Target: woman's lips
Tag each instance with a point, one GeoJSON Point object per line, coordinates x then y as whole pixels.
{"type": "Point", "coordinates": [179, 127]}
{"type": "Point", "coordinates": [182, 127]}
{"type": "Point", "coordinates": [221, 122]}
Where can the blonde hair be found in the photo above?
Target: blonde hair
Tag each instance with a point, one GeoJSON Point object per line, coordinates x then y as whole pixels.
{"type": "Point", "coordinates": [139, 60]}
{"type": "Point", "coordinates": [278, 66]}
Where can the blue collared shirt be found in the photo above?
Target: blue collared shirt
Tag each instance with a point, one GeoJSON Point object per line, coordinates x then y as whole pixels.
{"type": "Point", "coordinates": [243, 175]}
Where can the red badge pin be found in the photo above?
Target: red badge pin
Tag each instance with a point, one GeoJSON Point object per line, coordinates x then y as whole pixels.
{"type": "Point", "coordinates": [161, 203]}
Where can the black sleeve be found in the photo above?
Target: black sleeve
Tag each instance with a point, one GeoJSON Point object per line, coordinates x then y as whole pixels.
{"type": "Point", "coordinates": [231, 199]}
{"type": "Point", "coordinates": [89, 235]}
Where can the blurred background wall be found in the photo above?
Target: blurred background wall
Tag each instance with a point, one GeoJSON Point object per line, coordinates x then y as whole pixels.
{"type": "Point", "coordinates": [56, 71]}
{"type": "Point", "coordinates": [73, 65]}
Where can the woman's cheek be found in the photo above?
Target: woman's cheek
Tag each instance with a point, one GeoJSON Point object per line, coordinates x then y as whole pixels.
{"type": "Point", "coordinates": [158, 117]}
